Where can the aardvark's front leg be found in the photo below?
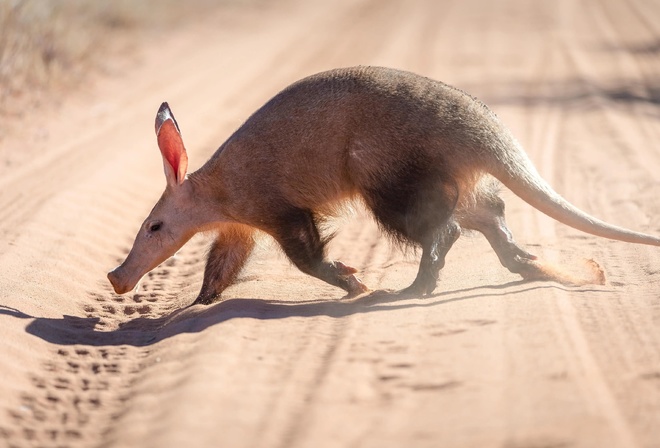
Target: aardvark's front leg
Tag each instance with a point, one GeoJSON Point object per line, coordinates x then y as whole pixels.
{"type": "Point", "coordinates": [226, 258]}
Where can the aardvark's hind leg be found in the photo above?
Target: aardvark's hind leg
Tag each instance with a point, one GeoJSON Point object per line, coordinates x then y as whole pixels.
{"type": "Point", "coordinates": [487, 217]}
{"type": "Point", "coordinates": [420, 213]}
{"type": "Point", "coordinates": [434, 251]}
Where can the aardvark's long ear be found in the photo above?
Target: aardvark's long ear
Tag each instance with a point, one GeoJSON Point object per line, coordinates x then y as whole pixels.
{"type": "Point", "coordinates": [175, 159]}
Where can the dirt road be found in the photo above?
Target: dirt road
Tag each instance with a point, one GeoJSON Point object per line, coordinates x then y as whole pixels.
{"type": "Point", "coordinates": [283, 361]}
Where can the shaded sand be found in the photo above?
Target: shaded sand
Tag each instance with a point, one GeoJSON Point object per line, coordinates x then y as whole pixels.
{"type": "Point", "coordinates": [488, 361]}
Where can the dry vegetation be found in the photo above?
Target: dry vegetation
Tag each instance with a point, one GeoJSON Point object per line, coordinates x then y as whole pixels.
{"type": "Point", "coordinates": [44, 43]}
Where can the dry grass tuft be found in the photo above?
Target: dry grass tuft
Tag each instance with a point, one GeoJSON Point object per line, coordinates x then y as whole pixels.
{"type": "Point", "coordinates": [55, 42]}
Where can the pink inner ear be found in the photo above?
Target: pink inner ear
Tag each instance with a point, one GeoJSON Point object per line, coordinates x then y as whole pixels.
{"type": "Point", "coordinates": [171, 146]}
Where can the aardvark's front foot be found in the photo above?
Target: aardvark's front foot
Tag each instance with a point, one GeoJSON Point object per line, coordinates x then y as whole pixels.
{"type": "Point", "coordinates": [206, 298]}
{"type": "Point", "coordinates": [354, 285]}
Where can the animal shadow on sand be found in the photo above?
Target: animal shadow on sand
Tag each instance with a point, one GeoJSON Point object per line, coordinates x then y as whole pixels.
{"type": "Point", "coordinates": [145, 331]}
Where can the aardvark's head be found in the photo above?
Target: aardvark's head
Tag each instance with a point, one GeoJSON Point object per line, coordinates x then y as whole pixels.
{"type": "Point", "coordinates": [169, 225]}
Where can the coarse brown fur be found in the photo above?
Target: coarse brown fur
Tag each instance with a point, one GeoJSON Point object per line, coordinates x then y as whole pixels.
{"type": "Point", "coordinates": [419, 153]}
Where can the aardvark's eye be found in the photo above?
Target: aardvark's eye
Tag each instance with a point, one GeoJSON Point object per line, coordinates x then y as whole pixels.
{"type": "Point", "coordinates": [155, 227]}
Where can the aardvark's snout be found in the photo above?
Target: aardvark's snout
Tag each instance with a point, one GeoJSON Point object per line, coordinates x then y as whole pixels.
{"type": "Point", "coordinates": [118, 281]}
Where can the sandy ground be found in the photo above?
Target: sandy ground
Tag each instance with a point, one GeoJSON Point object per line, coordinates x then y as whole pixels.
{"type": "Point", "coordinates": [283, 361]}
